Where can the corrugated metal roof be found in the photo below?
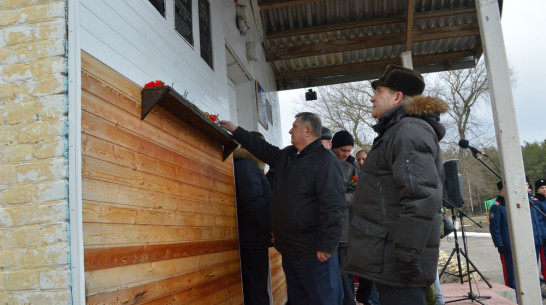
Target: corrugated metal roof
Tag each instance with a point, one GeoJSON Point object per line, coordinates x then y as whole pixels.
{"type": "Point", "coordinates": [317, 42]}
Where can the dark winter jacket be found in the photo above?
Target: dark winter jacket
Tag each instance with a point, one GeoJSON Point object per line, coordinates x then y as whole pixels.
{"type": "Point", "coordinates": [540, 202]}
{"type": "Point", "coordinates": [351, 160]}
{"type": "Point", "coordinates": [253, 201]}
{"type": "Point", "coordinates": [308, 195]}
{"type": "Point", "coordinates": [348, 172]}
{"type": "Point", "coordinates": [498, 225]}
{"type": "Point", "coordinates": [396, 219]}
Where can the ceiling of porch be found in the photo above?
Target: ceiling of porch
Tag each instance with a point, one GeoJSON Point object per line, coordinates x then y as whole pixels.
{"type": "Point", "coordinates": [322, 42]}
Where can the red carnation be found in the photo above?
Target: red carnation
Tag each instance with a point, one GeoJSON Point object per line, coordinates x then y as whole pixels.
{"type": "Point", "coordinates": [212, 117]}
{"type": "Point", "coordinates": [155, 83]}
{"type": "Point", "coordinates": [352, 184]}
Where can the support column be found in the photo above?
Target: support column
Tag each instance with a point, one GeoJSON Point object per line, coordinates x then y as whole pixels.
{"type": "Point", "coordinates": [407, 62]}
{"type": "Point", "coordinates": [518, 209]}
{"type": "Point", "coordinates": [77, 282]}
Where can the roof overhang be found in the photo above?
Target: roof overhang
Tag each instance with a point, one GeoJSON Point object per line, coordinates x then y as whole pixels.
{"type": "Point", "coordinates": [323, 42]}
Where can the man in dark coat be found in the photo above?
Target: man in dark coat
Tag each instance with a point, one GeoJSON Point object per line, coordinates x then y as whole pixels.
{"type": "Point", "coordinates": [350, 179]}
{"type": "Point", "coordinates": [253, 216]}
{"type": "Point", "coordinates": [342, 146]}
{"type": "Point", "coordinates": [500, 233]}
{"type": "Point", "coordinates": [306, 210]}
{"type": "Point", "coordinates": [539, 200]}
{"type": "Point", "coordinates": [395, 232]}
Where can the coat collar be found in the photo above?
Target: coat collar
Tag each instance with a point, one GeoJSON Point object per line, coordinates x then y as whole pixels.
{"type": "Point", "coordinates": [423, 107]}
{"type": "Point", "coordinates": [312, 146]}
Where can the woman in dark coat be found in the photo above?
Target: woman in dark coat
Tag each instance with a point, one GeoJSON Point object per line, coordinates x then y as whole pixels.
{"type": "Point", "coordinates": [253, 214]}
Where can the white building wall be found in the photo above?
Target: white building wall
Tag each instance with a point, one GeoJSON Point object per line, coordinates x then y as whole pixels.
{"type": "Point", "coordinates": [134, 39]}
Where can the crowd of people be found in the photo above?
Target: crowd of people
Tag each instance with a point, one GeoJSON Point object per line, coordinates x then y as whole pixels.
{"type": "Point", "coordinates": [337, 219]}
{"type": "Point", "coordinates": [498, 226]}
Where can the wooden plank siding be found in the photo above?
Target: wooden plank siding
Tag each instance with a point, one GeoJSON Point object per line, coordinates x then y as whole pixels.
{"type": "Point", "coordinates": [159, 214]}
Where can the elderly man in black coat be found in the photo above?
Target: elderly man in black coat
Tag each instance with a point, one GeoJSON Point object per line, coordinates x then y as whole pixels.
{"type": "Point", "coordinates": [307, 206]}
{"type": "Point", "coordinates": [395, 232]}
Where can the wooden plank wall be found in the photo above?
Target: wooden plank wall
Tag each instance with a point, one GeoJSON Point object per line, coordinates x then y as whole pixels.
{"type": "Point", "coordinates": [159, 214]}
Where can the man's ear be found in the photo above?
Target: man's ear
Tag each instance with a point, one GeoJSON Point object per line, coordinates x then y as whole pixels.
{"type": "Point", "coordinates": [309, 130]}
{"type": "Point", "coordinates": [398, 98]}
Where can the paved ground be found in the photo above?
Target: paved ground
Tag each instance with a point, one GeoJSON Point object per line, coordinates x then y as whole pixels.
{"type": "Point", "coordinates": [485, 257]}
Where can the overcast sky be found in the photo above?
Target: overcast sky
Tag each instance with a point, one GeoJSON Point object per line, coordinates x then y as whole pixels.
{"type": "Point", "coordinates": [524, 27]}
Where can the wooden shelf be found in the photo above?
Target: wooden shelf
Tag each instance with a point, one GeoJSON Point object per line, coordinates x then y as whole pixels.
{"type": "Point", "coordinates": [176, 104]}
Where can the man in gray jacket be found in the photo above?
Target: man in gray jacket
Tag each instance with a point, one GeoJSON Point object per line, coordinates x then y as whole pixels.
{"type": "Point", "coordinates": [306, 209]}
{"type": "Point", "coordinates": [350, 179]}
{"type": "Point", "coordinates": [395, 232]}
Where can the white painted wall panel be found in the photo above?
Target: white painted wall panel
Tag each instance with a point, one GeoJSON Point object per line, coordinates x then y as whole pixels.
{"type": "Point", "coordinates": [134, 39]}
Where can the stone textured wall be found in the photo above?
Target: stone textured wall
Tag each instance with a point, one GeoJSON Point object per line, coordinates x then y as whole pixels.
{"type": "Point", "coordinates": [34, 246]}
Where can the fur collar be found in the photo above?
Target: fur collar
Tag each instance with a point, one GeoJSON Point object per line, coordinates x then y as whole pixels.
{"type": "Point", "coordinates": [241, 153]}
{"type": "Point", "coordinates": [420, 106]}
{"type": "Point", "coordinates": [423, 107]}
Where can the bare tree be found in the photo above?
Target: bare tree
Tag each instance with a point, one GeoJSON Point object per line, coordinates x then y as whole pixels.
{"type": "Point", "coordinates": [346, 107]}
{"type": "Point", "coordinates": [464, 91]}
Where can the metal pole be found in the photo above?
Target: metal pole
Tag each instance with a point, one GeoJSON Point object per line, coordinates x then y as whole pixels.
{"type": "Point", "coordinates": [470, 197]}
{"type": "Point", "coordinates": [519, 218]}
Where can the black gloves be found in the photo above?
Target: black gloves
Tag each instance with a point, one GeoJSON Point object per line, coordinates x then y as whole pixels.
{"type": "Point", "coordinates": [408, 271]}
{"type": "Point", "coordinates": [501, 250]}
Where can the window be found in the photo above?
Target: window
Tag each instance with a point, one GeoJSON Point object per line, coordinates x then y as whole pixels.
{"type": "Point", "coordinates": [205, 31]}
{"type": "Point", "coordinates": [159, 6]}
{"type": "Point", "coordinates": [182, 19]}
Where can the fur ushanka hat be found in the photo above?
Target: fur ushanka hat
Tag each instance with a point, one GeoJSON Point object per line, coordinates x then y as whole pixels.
{"type": "Point", "coordinates": [407, 81]}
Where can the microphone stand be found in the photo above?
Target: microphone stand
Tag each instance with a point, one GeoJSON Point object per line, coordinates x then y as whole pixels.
{"type": "Point", "coordinates": [475, 154]}
{"type": "Point", "coordinates": [458, 250]}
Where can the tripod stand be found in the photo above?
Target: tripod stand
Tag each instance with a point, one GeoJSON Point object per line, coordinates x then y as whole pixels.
{"type": "Point", "coordinates": [458, 251]}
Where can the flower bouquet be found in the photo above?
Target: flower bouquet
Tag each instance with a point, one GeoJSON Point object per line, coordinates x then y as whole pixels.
{"type": "Point", "coordinates": [212, 117]}
{"type": "Point", "coordinates": [155, 83]}
{"type": "Point", "coordinates": [351, 184]}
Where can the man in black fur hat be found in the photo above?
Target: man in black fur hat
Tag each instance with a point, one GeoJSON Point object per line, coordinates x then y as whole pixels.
{"type": "Point", "coordinates": [395, 232]}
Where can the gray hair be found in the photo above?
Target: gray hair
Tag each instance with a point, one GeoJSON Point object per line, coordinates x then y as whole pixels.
{"type": "Point", "coordinates": [405, 98]}
{"type": "Point", "coordinates": [313, 120]}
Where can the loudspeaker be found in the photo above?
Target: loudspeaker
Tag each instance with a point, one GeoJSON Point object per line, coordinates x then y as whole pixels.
{"type": "Point", "coordinates": [310, 95]}
{"type": "Point", "coordinates": [453, 190]}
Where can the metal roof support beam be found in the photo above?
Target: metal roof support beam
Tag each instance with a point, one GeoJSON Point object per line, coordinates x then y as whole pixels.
{"type": "Point", "coordinates": [368, 42]}
{"type": "Point", "coordinates": [271, 4]}
{"type": "Point", "coordinates": [518, 209]}
{"type": "Point", "coordinates": [341, 26]}
{"type": "Point", "coordinates": [352, 67]}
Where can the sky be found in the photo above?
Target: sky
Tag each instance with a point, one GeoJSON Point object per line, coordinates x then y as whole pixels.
{"type": "Point", "coordinates": [523, 24]}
